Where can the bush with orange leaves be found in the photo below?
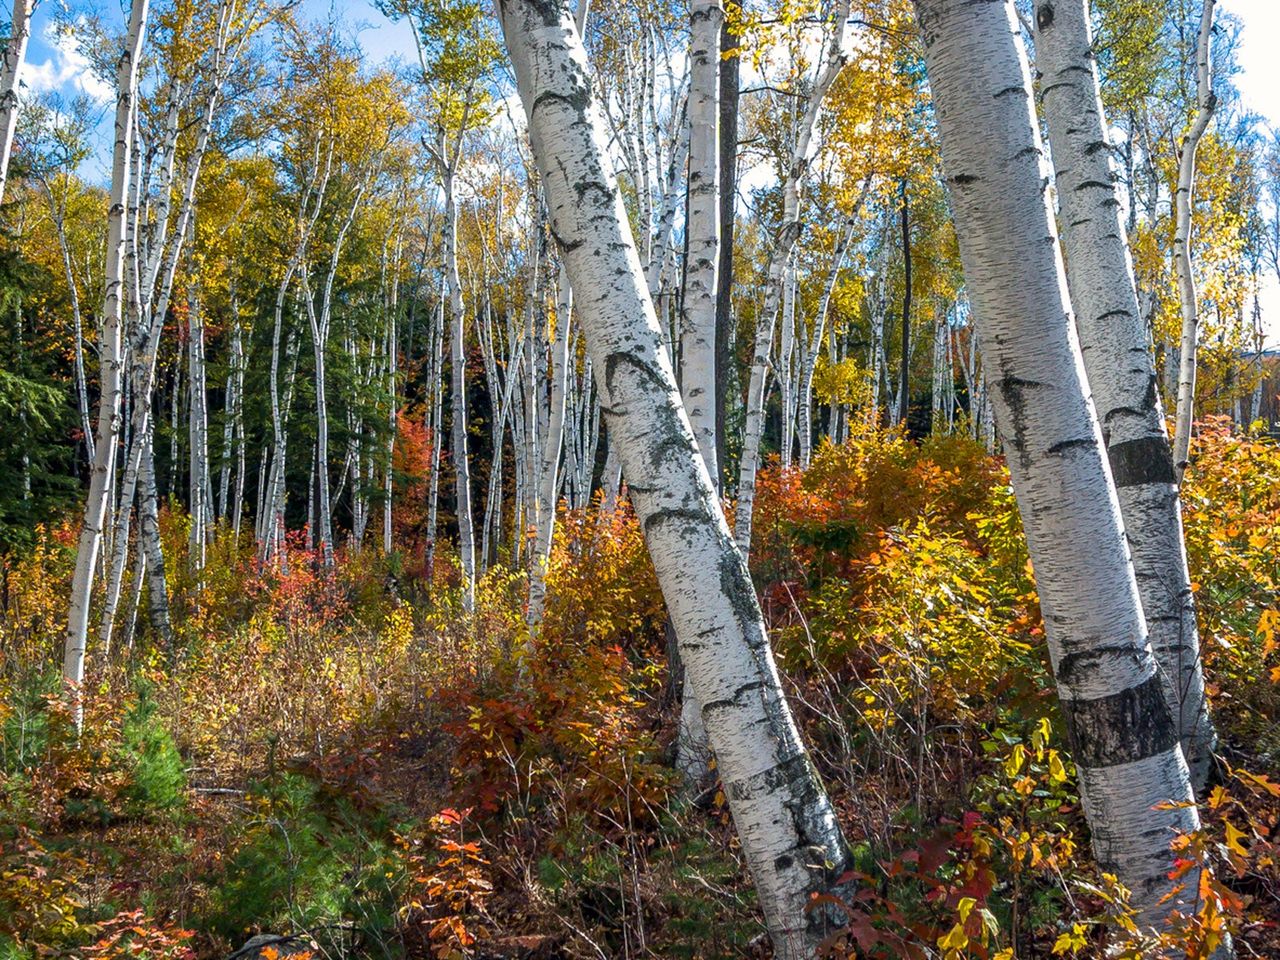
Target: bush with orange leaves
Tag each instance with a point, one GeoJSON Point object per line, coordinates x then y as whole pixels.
{"type": "Point", "coordinates": [816, 523]}
{"type": "Point", "coordinates": [1231, 499]}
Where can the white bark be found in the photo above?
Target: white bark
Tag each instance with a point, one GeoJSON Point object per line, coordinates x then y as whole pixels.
{"type": "Point", "coordinates": [552, 444]}
{"type": "Point", "coordinates": [1117, 358]}
{"type": "Point", "coordinates": [1206, 101]}
{"type": "Point", "coordinates": [785, 821]}
{"type": "Point", "coordinates": [436, 380]}
{"type": "Point", "coordinates": [702, 265]}
{"type": "Point", "coordinates": [698, 380]}
{"type": "Point", "coordinates": [149, 535]}
{"type": "Point", "coordinates": [15, 52]}
{"type": "Point", "coordinates": [788, 231]}
{"type": "Point", "coordinates": [805, 399]}
{"type": "Point", "coordinates": [110, 349]}
{"type": "Point", "coordinates": [319, 317]}
{"type": "Point", "coordinates": [57, 213]}
{"type": "Point", "coordinates": [198, 504]}
{"type": "Point", "coordinates": [458, 398]}
{"type": "Point", "coordinates": [1123, 736]}
{"type": "Point", "coordinates": [785, 364]}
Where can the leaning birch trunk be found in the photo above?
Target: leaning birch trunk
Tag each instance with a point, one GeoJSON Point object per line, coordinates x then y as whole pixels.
{"type": "Point", "coordinates": [15, 52]}
{"type": "Point", "coordinates": [111, 360]}
{"type": "Point", "coordinates": [784, 242]}
{"type": "Point", "coordinates": [1206, 101]}
{"type": "Point", "coordinates": [1133, 779]}
{"type": "Point", "coordinates": [785, 821]}
{"type": "Point", "coordinates": [1117, 358]}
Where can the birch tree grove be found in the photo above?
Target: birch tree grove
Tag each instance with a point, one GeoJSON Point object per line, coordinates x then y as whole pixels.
{"type": "Point", "coordinates": [835, 57]}
{"type": "Point", "coordinates": [593, 479]}
{"type": "Point", "coordinates": [1124, 736]}
{"type": "Point", "coordinates": [781, 811]}
{"type": "Point", "coordinates": [111, 355]}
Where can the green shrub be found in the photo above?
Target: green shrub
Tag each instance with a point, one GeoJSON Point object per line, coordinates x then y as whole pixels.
{"type": "Point", "coordinates": [156, 777]}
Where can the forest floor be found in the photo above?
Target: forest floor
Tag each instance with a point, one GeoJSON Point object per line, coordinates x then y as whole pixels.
{"type": "Point", "coordinates": [344, 757]}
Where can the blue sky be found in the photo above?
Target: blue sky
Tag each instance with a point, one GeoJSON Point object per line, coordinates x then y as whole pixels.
{"type": "Point", "coordinates": [54, 65]}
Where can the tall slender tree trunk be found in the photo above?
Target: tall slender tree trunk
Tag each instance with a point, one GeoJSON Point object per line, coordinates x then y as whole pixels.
{"type": "Point", "coordinates": [698, 330]}
{"type": "Point", "coordinates": [786, 354]}
{"type": "Point", "coordinates": [1123, 736]}
{"type": "Point", "coordinates": [698, 370]}
{"type": "Point", "coordinates": [149, 537]}
{"type": "Point", "coordinates": [835, 58]}
{"type": "Point", "coordinates": [198, 435]}
{"type": "Point", "coordinates": [904, 368]}
{"type": "Point", "coordinates": [322, 529]}
{"type": "Point", "coordinates": [807, 369]}
{"type": "Point", "coordinates": [1119, 363]}
{"type": "Point", "coordinates": [1183, 208]}
{"type": "Point", "coordinates": [458, 403]}
{"type": "Point", "coordinates": [437, 428]}
{"type": "Point", "coordinates": [784, 818]}
{"type": "Point", "coordinates": [548, 478]}
{"type": "Point", "coordinates": [15, 52]}
{"type": "Point", "coordinates": [393, 360]}
{"type": "Point", "coordinates": [111, 356]}
{"type": "Point", "coordinates": [729, 95]}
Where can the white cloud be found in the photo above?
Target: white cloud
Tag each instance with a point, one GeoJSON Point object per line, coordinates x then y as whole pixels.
{"type": "Point", "coordinates": [67, 70]}
{"type": "Point", "coordinates": [1259, 83]}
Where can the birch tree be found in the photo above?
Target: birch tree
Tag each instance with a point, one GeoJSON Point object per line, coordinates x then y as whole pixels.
{"type": "Point", "coordinates": [15, 52]}
{"type": "Point", "coordinates": [455, 53]}
{"type": "Point", "coordinates": [781, 810]}
{"type": "Point", "coordinates": [1206, 102]}
{"type": "Point", "coordinates": [111, 357]}
{"type": "Point", "coordinates": [698, 378]}
{"type": "Point", "coordinates": [1117, 357]}
{"type": "Point", "coordinates": [835, 56]}
{"type": "Point", "coordinates": [1134, 781]}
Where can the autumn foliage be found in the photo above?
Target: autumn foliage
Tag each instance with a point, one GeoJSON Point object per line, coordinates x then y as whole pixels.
{"type": "Point", "coordinates": [343, 757]}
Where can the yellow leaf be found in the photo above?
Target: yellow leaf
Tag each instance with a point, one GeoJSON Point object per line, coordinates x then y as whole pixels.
{"type": "Point", "coordinates": [955, 939]}
{"type": "Point", "coordinates": [1057, 772]}
{"type": "Point", "coordinates": [1234, 837]}
{"type": "Point", "coordinates": [965, 907]}
{"type": "Point", "coordinates": [1014, 763]}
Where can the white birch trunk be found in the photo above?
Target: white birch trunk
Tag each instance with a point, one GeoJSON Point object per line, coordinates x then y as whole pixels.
{"type": "Point", "coordinates": [702, 265]}
{"type": "Point", "coordinates": [836, 56]}
{"type": "Point", "coordinates": [1123, 736]}
{"type": "Point", "coordinates": [1206, 101]}
{"type": "Point", "coordinates": [111, 360]}
{"type": "Point", "coordinates": [698, 328]}
{"type": "Point", "coordinates": [553, 442]}
{"type": "Point", "coordinates": [1117, 358]}
{"type": "Point", "coordinates": [197, 435]}
{"type": "Point", "coordinates": [458, 394]}
{"type": "Point", "coordinates": [783, 816]}
{"type": "Point", "coordinates": [805, 399]}
{"type": "Point", "coordinates": [149, 537]}
{"type": "Point", "coordinates": [437, 423]}
{"type": "Point", "coordinates": [15, 52]}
